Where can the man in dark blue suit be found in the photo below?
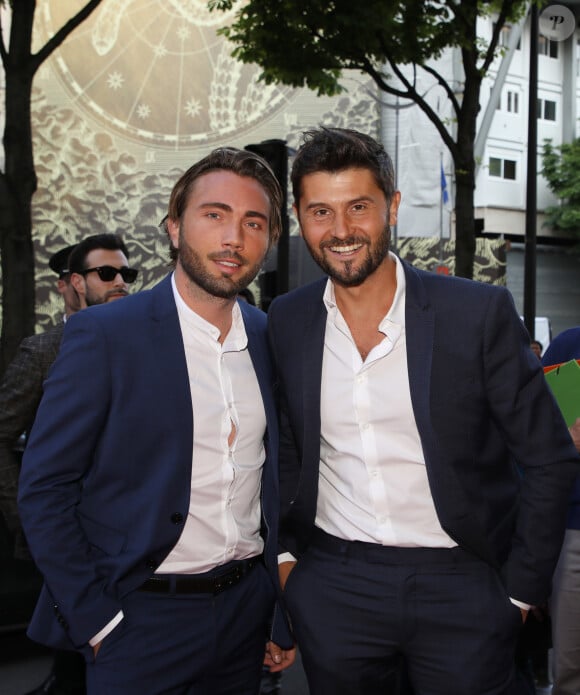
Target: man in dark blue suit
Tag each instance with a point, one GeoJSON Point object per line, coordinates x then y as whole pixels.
{"type": "Point", "coordinates": [149, 487]}
{"type": "Point", "coordinates": [407, 399]}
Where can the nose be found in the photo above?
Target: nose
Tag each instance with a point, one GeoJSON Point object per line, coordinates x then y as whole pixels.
{"type": "Point", "coordinates": [233, 235]}
{"type": "Point", "coordinates": [341, 226]}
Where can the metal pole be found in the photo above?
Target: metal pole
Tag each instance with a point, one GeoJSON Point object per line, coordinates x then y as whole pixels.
{"type": "Point", "coordinates": [531, 185]}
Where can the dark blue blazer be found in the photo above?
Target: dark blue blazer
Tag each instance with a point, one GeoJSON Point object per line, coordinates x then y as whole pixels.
{"type": "Point", "coordinates": [481, 404]}
{"type": "Point", "coordinates": [106, 476]}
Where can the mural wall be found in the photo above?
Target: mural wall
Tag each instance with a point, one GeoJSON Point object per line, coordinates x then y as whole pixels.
{"type": "Point", "coordinates": [138, 93]}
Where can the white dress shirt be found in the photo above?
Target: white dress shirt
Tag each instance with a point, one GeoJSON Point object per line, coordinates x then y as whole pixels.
{"type": "Point", "coordinates": [373, 482]}
{"type": "Point", "coordinates": [223, 522]}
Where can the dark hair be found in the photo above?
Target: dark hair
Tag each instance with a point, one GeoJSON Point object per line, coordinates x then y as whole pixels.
{"type": "Point", "coordinates": [110, 242]}
{"type": "Point", "coordinates": [240, 162]}
{"type": "Point", "coordinates": [336, 149]}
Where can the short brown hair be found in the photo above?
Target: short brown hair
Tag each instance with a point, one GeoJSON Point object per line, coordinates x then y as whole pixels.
{"type": "Point", "coordinates": [336, 149]}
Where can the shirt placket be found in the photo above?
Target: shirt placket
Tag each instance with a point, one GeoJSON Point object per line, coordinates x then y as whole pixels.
{"type": "Point", "coordinates": [230, 419]}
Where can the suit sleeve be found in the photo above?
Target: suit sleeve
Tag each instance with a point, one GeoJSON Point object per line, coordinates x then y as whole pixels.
{"type": "Point", "coordinates": [20, 394]}
{"type": "Point", "coordinates": [56, 462]}
{"type": "Point", "coordinates": [525, 411]}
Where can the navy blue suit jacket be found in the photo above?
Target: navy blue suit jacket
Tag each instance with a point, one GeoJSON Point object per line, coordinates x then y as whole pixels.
{"type": "Point", "coordinates": [106, 476]}
{"type": "Point", "coordinates": [480, 403]}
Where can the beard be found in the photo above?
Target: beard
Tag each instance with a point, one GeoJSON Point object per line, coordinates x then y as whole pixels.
{"type": "Point", "coordinates": [348, 273]}
{"type": "Point", "coordinates": [92, 298]}
{"type": "Point", "coordinates": [225, 286]}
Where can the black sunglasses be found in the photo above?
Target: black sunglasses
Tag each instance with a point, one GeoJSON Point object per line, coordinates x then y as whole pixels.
{"type": "Point", "coordinates": [107, 273]}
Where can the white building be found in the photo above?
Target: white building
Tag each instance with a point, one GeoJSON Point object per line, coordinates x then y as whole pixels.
{"type": "Point", "coordinates": [501, 148]}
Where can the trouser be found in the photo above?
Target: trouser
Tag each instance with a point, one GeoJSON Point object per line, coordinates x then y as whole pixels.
{"type": "Point", "coordinates": [565, 611]}
{"type": "Point", "coordinates": [358, 609]}
{"type": "Point", "coordinates": [187, 644]}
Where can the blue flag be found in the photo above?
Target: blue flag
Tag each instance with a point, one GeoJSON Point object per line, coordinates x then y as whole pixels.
{"type": "Point", "coordinates": [444, 186]}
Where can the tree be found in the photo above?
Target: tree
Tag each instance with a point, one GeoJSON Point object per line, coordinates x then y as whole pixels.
{"type": "Point", "coordinates": [311, 42]}
{"type": "Point", "coordinates": [561, 168]}
{"type": "Point", "coordinates": [18, 180]}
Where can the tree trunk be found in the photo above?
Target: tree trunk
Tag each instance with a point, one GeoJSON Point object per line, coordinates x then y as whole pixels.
{"type": "Point", "coordinates": [17, 186]}
{"type": "Point", "coordinates": [464, 220]}
{"type": "Point", "coordinates": [464, 161]}
{"type": "Point", "coordinates": [18, 182]}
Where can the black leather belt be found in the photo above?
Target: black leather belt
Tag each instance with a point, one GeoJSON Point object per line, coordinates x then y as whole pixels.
{"type": "Point", "coordinates": [200, 583]}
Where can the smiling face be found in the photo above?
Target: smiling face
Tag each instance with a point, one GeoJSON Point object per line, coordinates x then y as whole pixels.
{"type": "Point", "coordinates": [223, 235]}
{"type": "Point", "coordinates": [345, 221]}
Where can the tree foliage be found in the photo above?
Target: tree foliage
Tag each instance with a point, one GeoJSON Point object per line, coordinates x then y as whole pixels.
{"type": "Point", "coordinates": [18, 180]}
{"type": "Point", "coordinates": [311, 42]}
{"type": "Point", "coordinates": [561, 168]}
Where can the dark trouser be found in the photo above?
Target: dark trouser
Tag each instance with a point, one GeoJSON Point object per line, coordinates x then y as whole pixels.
{"type": "Point", "coordinates": [187, 644]}
{"type": "Point", "coordinates": [357, 607]}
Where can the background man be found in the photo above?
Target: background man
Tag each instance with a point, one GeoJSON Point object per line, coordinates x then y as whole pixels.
{"type": "Point", "coordinates": [406, 399]}
{"type": "Point", "coordinates": [149, 486]}
{"type": "Point", "coordinates": [565, 601]}
{"type": "Point", "coordinates": [20, 394]}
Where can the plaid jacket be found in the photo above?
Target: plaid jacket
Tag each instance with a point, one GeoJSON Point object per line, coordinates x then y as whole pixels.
{"type": "Point", "coordinates": [20, 394]}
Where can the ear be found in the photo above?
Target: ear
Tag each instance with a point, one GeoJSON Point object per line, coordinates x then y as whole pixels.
{"type": "Point", "coordinates": [78, 283]}
{"type": "Point", "coordinates": [173, 232]}
{"type": "Point", "coordinates": [394, 207]}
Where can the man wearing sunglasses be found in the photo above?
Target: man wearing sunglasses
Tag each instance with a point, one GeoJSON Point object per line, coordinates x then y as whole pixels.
{"type": "Point", "coordinates": [100, 271]}
{"type": "Point", "coordinates": [149, 487]}
{"type": "Point", "coordinates": [20, 394]}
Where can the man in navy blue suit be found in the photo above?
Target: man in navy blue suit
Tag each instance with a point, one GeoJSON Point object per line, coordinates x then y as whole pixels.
{"type": "Point", "coordinates": [407, 401]}
{"type": "Point", "coordinates": [149, 487]}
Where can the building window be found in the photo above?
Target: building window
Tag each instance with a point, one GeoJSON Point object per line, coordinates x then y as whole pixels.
{"type": "Point", "coordinates": [546, 110]}
{"type": "Point", "coordinates": [502, 168]}
{"type": "Point", "coordinates": [547, 47]}
{"type": "Point", "coordinates": [513, 105]}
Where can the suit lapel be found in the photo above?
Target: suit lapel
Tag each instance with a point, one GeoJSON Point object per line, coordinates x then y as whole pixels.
{"type": "Point", "coordinates": [419, 329]}
{"type": "Point", "coordinates": [260, 356]}
{"type": "Point", "coordinates": [171, 371]}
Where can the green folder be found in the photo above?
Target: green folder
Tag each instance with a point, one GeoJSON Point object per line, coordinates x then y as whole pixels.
{"type": "Point", "coordinates": [565, 384]}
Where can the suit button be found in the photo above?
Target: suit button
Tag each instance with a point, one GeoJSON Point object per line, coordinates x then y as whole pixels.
{"type": "Point", "coordinates": [177, 517]}
{"type": "Point", "coordinates": [151, 564]}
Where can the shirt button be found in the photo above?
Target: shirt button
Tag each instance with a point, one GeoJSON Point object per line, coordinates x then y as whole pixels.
{"type": "Point", "coordinates": [177, 518]}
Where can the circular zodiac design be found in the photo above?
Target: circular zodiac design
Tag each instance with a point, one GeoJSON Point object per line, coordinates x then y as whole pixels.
{"type": "Point", "coordinates": [159, 73]}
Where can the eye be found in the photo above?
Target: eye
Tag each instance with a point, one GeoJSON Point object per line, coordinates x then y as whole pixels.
{"type": "Point", "coordinates": [254, 224]}
{"type": "Point", "coordinates": [359, 207]}
{"type": "Point", "coordinates": [213, 215]}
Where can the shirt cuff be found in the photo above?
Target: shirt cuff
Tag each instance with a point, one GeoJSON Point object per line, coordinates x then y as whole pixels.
{"type": "Point", "coordinates": [521, 604]}
{"type": "Point", "coordinates": [109, 627]}
{"type": "Point", "coordinates": [286, 557]}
